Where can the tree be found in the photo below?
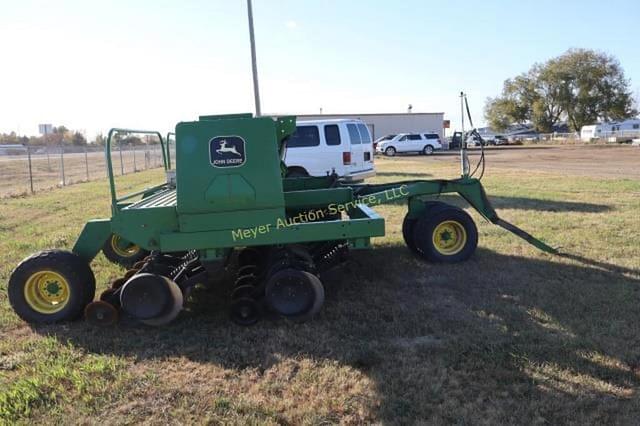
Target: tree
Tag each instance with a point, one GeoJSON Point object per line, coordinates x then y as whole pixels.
{"type": "Point", "coordinates": [131, 140]}
{"type": "Point", "coordinates": [9, 138]}
{"type": "Point", "coordinates": [581, 86]}
{"type": "Point", "coordinates": [100, 139]}
{"type": "Point", "coordinates": [78, 139]}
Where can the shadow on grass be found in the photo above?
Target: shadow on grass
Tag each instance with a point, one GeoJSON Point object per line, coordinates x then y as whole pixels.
{"type": "Point", "coordinates": [405, 174]}
{"type": "Point", "coordinates": [500, 337]}
{"type": "Point", "coordinates": [524, 203]}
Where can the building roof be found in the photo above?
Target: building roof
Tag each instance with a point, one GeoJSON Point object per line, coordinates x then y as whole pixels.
{"type": "Point", "coordinates": [325, 120]}
{"type": "Point", "coordinates": [371, 114]}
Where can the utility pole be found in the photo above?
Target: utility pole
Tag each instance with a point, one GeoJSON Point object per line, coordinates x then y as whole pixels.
{"type": "Point", "coordinates": [464, 159]}
{"type": "Point", "coordinates": [254, 67]}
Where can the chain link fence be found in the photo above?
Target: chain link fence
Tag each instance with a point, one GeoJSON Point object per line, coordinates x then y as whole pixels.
{"type": "Point", "coordinates": [33, 169]}
{"type": "Point", "coordinates": [619, 136]}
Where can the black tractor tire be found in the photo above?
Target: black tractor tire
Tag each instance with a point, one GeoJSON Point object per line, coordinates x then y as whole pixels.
{"type": "Point", "coordinates": [51, 286]}
{"type": "Point", "coordinates": [126, 258]}
{"type": "Point", "coordinates": [390, 151]}
{"type": "Point", "coordinates": [409, 222]}
{"type": "Point", "coordinates": [445, 234]}
{"type": "Point", "coordinates": [407, 232]}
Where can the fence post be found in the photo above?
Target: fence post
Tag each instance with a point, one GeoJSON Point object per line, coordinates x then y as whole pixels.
{"type": "Point", "coordinates": [30, 170]}
{"type": "Point", "coordinates": [62, 163]}
{"type": "Point", "coordinates": [135, 167]}
{"type": "Point", "coordinates": [121, 164]}
{"type": "Point", "coordinates": [86, 162]}
{"type": "Point", "coordinates": [48, 158]}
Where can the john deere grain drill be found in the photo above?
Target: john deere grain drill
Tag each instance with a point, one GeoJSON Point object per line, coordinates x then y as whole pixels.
{"type": "Point", "coordinates": [229, 194]}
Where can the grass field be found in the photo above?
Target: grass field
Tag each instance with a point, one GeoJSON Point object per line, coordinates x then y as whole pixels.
{"type": "Point", "coordinates": [46, 172]}
{"type": "Point", "coordinates": [511, 336]}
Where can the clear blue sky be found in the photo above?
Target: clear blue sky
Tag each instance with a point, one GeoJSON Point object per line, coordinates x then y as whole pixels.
{"type": "Point", "coordinates": [93, 65]}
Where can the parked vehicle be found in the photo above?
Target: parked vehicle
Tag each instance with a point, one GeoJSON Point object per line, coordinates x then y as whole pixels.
{"type": "Point", "coordinates": [500, 140]}
{"type": "Point", "coordinates": [322, 147]}
{"type": "Point", "coordinates": [424, 143]}
{"type": "Point", "coordinates": [455, 141]}
{"type": "Point", "coordinates": [474, 140]}
{"type": "Point", "coordinates": [617, 131]}
{"type": "Point", "coordinates": [382, 139]}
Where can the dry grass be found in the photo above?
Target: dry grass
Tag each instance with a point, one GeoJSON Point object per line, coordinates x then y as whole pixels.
{"type": "Point", "coordinates": [46, 172]}
{"type": "Point", "coordinates": [511, 336]}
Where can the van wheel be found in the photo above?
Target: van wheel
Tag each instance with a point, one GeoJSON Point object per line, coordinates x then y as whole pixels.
{"type": "Point", "coordinates": [390, 152]}
{"type": "Point", "coordinates": [428, 150]}
{"type": "Point", "coordinates": [294, 172]}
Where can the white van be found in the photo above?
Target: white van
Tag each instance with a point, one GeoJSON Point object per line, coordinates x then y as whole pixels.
{"type": "Point", "coordinates": [321, 147]}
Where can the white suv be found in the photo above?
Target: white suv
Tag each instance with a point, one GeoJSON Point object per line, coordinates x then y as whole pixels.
{"type": "Point", "coordinates": [424, 143]}
{"type": "Point", "coordinates": [322, 147]}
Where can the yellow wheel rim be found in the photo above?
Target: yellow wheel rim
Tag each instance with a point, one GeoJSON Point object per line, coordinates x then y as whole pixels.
{"type": "Point", "coordinates": [47, 292]}
{"type": "Point", "coordinates": [449, 237]}
{"type": "Point", "coordinates": [121, 250]}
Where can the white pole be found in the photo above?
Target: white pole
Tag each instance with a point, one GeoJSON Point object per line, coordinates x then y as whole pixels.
{"type": "Point", "coordinates": [464, 160]}
{"type": "Point", "coordinates": [254, 67]}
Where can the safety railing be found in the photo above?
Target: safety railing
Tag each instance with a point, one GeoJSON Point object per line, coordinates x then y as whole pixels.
{"type": "Point", "coordinates": [170, 135]}
{"type": "Point", "coordinates": [112, 184]}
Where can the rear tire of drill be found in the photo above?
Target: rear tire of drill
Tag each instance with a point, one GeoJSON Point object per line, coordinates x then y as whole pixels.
{"type": "Point", "coordinates": [51, 286]}
{"type": "Point", "coordinates": [445, 234]}
{"type": "Point", "coordinates": [123, 257]}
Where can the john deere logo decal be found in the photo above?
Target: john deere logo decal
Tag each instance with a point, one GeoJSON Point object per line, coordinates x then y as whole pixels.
{"type": "Point", "coordinates": [227, 151]}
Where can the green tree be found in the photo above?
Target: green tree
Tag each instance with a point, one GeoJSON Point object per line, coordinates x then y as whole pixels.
{"type": "Point", "coordinates": [78, 139]}
{"type": "Point", "coordinates": [100, 139]}
{"type": "Point", "coordinates": [581, 86]}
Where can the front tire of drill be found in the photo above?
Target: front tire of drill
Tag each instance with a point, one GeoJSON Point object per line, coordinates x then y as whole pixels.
{"type": "Point", "coordinates": [445, 234]}
{"type": "Point", "coordinates": [51, 286]}
{"type": "Point", "coordinates": [123, 256]}
{"type": "Point", "coordinates": [409, 223]}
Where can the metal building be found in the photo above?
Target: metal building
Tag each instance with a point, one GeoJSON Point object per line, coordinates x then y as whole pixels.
{"type": "Point", "coordinates": [392, 123]}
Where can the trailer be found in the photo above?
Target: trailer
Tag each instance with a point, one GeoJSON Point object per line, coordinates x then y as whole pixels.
{"type": "Point", "coordinates": [614, 131]}
{"type": "Point", "coordinates": [229, 194]}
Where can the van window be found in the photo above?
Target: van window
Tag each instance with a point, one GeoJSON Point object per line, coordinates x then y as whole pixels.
{"type": "Point", "coordinates": [304, 136]}
{"type": "Point", "coordinates": [354, 135]}
{"type": "Point", "coordinates": [365, 137]}
{"type": "Point", "coordinates": [636, 126]}
{"type": "Point", "coordinates": [332, 134]}
{"type": "Point", "coordinates": [414, 137]}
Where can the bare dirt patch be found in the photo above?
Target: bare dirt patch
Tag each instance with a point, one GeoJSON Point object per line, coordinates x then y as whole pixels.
{"type": "Point", "coordinates": [609, 161]}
